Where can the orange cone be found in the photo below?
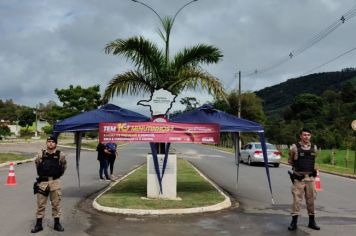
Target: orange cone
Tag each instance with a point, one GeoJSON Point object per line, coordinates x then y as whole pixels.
{"type": "Point", "coordinates": [11, 179]}
{"type": "Point", "coordinates": [318, 182]}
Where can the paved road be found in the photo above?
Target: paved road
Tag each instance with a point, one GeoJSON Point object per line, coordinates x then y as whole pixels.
{"type": "Point", "coordinates": [255, 216]}
{"type": "Point", "coordinates": [18, 203]}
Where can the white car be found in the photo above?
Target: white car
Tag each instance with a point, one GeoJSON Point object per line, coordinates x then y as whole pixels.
{"type": "Point", "coordinates": [252, 153]}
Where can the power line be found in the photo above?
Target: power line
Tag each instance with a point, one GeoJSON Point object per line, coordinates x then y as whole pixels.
{"type": "Point", "coordinates": [325, 63]}
{"type": "Point", "coordinates": [308, 44]}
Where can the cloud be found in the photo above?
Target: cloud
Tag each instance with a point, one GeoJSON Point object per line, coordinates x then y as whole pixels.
{"type": "Point", "coordinates": [51, 44]}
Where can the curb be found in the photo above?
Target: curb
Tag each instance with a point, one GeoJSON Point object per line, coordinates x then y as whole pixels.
{"type": "Point", "coordinates": [17, 162]}
{"type": "Point", "coordinates": [220, 206]}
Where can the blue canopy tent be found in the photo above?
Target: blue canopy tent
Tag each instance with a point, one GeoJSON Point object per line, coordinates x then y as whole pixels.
{"type": "Point", "coordinates": [228, 123]}
{"type": "Point", "coordinates": [89, 121]}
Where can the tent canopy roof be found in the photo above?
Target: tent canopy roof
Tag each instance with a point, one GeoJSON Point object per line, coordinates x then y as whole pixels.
{"type": "Point", "coordinates": [228, 123]}
{"type": "Point", "coordinates": [90, 120]}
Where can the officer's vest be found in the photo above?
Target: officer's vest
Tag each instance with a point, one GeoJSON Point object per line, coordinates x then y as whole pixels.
{"type": "Point", "coordinates": [306, 159]}
{"type": "Point", "coordinates": [50, 165]}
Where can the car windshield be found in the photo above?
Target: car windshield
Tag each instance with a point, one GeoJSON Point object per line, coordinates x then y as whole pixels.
{"type": "Point", "coordinates": [269, 146]}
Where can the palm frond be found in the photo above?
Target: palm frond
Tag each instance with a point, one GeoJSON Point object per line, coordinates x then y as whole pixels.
{"type": "Point", "coordinates": [144, 54]}
{"type": "Point", "coordinates": [130, 83]}
{"type": "Point", "coordinates": [167, 25]}
{"type": "Point", "coordinates": [193, 78]}
{"type": "Point", "coordinates": [161, 34]}
{"type": "Point", "coordinates": [199, 54]}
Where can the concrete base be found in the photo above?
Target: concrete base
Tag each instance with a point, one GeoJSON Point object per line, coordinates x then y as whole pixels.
{"type": "Point", "coordinates": [169, 181]}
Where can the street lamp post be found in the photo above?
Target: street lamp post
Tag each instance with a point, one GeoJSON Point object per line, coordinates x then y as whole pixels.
{"type": "Point", "coordinates": [169, 183]}
{"type": "Point", "coordinates": [167, 22]}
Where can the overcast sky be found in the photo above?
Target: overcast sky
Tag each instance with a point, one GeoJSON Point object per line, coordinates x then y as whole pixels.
{"type": "Point", "coordinates": [52, 44]}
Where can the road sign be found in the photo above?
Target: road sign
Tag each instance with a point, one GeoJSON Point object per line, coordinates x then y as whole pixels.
{"type": "Point", "coordinates": [353, 124]}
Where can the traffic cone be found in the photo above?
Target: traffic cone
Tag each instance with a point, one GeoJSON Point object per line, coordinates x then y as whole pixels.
{"type": "Point", "coordinates": [318, 182]}
{"type": "Point", "coordinates": [11, 179]}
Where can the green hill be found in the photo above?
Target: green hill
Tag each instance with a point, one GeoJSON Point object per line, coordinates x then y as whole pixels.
{"type": "Point", "coordinates": [277, 97]}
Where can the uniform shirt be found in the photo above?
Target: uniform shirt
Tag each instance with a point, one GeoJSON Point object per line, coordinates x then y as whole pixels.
{"type": "Point", "coordinates": [293, 154]}
{"type": "Point", "coordinates": [62, 158]}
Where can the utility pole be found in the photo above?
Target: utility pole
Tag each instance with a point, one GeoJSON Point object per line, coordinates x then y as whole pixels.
{"type": "Point", "coordinates": [239, 95]}
{"type": "Point", "coordinates": [36, 133]}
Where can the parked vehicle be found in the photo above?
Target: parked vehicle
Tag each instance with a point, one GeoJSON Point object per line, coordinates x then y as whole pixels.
{"type": "Point", "coordinates": [252, 153]}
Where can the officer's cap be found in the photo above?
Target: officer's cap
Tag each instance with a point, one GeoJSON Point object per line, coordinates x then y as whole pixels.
{"type": "Point", "coordinates": [52, 138]}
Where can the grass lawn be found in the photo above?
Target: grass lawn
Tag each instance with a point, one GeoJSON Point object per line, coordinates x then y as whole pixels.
{"type": "Point", "coordinates": [191, 188]}
{"type": "Point", "coordinates": [341, 164]}
{"type": "Point", "coordinates": [87, 144]}
{"type": "Point", "coordinates": [4, 157]}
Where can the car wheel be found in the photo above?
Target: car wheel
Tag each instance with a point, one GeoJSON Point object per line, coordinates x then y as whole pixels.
{"type": "Point", "coordinates": [276, 164]}
{"type": "Point", "coordinates": [249, 161]}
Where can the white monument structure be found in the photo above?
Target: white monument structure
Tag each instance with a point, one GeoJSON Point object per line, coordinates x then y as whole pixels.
{"type": "Point", "coordinates": [160, 102]}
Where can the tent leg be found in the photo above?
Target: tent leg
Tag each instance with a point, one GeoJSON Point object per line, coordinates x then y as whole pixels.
{"type": "Point", "coordinates": [265, 158]}
{"type": "Point", "coordinates": [236, 137]}
{"type": "Point", "coordinates": [78, 144]}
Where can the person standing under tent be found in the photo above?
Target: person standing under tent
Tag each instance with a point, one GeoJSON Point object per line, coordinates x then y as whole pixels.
{"type": "Point", "coordinates": [103, 162]}
{"type": "Point", "coordinates": [111, 156]}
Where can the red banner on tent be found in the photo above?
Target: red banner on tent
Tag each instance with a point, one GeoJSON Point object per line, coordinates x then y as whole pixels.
{"type": "Point", "coordinates": [159, 132]}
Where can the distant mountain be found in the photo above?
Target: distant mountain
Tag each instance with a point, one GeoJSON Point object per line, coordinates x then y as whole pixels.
{"type": "Point", "coordinates": [277, 97]}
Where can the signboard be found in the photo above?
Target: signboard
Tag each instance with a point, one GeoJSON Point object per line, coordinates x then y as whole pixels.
{"type": "Point", "coordinates": [160, 102]}
{"type": "Point", "coordinates": [353, 124]}
{"type": "Point", "coordinates": [159, 132]}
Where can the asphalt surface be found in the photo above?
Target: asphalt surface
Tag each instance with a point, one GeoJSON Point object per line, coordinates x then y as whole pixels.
{"type": "Point", "coordinates": [254, 216]}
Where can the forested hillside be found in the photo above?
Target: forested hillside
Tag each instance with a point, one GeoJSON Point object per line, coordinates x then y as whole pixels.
{"type": "Point", "coordinates": [324, 102]}
{"type": "Point", "coordinates": [278, 97]}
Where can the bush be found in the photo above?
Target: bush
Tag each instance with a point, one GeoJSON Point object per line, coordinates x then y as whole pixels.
{"type": "Point", "coordinates": [91, 135]}
{"type": "Point", "coordinates": [48, 129]}
{"type": "Point", "coordinates": [5, 130]}
{"type": "Point", "coordinates": [327, 159]}
{"type": "Point", "coordinates": [24, 132]}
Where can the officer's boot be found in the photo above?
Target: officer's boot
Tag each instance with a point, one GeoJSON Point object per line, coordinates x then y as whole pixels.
{"type": "Point", "coordinates": [312, 224]}
{"type": "Point", "coordinates": [57, 225]}
{"type": "Point", "coordinates": [38, 226]}
{"type": "Point", "coordinates": [293, 224]}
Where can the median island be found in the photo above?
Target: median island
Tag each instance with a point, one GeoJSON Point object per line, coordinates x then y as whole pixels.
{"type": "Point", "coordinates": [195, 193]}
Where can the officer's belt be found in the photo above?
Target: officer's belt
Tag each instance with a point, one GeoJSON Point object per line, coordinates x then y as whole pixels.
{"type": "Point", "coordinates": [44, 179]}
{"type": "Point", "coordinates": [301, 177]}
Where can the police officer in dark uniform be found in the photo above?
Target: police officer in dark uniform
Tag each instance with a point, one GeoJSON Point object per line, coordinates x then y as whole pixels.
{"type": "Point", "coordinates": [50, 164]}
{"type": "Point", "coordinates": [302, 157]}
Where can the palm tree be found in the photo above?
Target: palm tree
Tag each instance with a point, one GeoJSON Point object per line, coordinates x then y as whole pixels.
{"type": "Point", "coordinates": [154, 69]}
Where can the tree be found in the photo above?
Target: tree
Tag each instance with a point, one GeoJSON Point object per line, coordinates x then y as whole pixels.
{"type": "Point", "coordinates": [251, 106]}
{"type": "Point", "coordinates": [26, 117]}
{"type": "Point", "coordinates": [76, 100]}
{"type": "Point", "coordinates": [4, 131]}
{"type": "Point", "coordinates": [348, 92]}
{"type": "Point", "coordinates": [51, 112]}
{"type": "Point", "coordinates": [8, 110]}
{"type": "Point", "coordinates": [307, 106]}
{"type": "Point", "coordinates": [154, 69]}
{"type": "Point", "coordinates": [190, 103]}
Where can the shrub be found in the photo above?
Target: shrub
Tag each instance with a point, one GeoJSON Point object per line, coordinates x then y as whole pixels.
{"type": "Point", "coordinates": [48, 129]}
{"type": "Point", "coordinates": [24, 132]}
{"type": "Point", "coordinates": [91, 135]}
{"type": "Point", "coordinates": [5, 130]}
{"type": "Point", "coordinates": [327, 159]}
